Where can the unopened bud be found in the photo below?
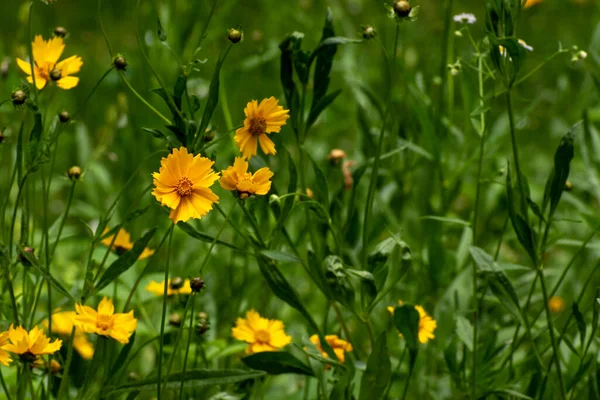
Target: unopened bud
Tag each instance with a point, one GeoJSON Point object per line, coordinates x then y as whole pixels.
{"type": "Point", "coordinates": [568, 186]}
{"type": "Point", "coordinates": [55, 74]}
{"type": "Point", "coordinates": [18, 97]}
{"type": "Point", "coordinates": [120, 63]}
{"type": "Point", "coordinates": [201, 328]}
{"type": "Point", "coordinates": [55, 367]}
{"type": "Point", "coordinates": [336, 156]}
{"type": "Point", "coordinates": [64, 116]}
{"type": "Point", "coordinates": [235, 36]}
{"type": "Point", "coordinates": [60, 31]}
{"type": "Point", "coordinates": [209, 135]}
{"type": "Point", "coordinates": [197, 284]}
{"type": "Point", "coordinates": [310, 194]}
{"type": "Point", "coordinates": [175, 320]}
{"type": "Point", "coordinates": [368, 32]}
{"type": "Point", "coordinates": [458, 33]}
{"type": "Point", "coordinates": [133, 376]}
{"type": "Point", "coordinates": [202, 316]}
{"type": "Point", "coordinates": [402, 8]}
{"type": "Point", "coordinates": [176, 283]}
{"type": "Point", "coordinates": [74, 172]}
{"type": "Point", "coordinates": [27, 251]}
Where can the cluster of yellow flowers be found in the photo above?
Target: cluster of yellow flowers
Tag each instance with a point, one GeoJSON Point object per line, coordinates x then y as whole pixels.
{"type": "Point", "coordinates": [104, 321]}
{"type": "Point", "coordinates": [183, 181]}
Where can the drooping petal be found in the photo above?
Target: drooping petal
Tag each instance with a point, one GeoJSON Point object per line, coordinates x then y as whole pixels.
{"type": "Point", "coordinates": [267, 145]}
{"type": "Point", "coordinates": [261, 181]}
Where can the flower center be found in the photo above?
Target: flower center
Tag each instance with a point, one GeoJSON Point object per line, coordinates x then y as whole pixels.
{"type": "Point", "coordinates": [184, 187]}
{"type": "Point", "coordinates": [258, 126]}
{"type": "Point", "coordinates": [104, 322]}
{"type": "Point", "coordinates": [262, 336]}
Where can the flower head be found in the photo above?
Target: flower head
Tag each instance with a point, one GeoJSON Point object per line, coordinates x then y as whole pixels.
{"type": "Point", "coordinates": [339, 346]}
{"type": "Point", "coordinates": [47, 67]}
{"type": "Point", "coordinates": [426, 324]}
{"type": "Point", "coordinates": [62, 324]}
{"type": "Point", "coordinates": [465, 18]}
{"type": "Point", "coordinates": [159, 288]}
{"type": "Point", "coordinates": [260, 333]}
{"type": "Point", "coordinates": [530, 3]}
{"type": "Point", "coordinates": [30, 345]}
{"type": "Point", "coordinates": [122, 243]}
{"type": "Point", "coordinates": [237, 178]}
{"type": "Point", "coordinates": [183, 184]}
{"type": "Point", "coordinates": [556, 304]}
{"type": "Point", "coordinates": [4, 355]}
{"type": "Point", "coordinates": [261, 119]}
{"type": "Point", "coordinates": [105, 321]}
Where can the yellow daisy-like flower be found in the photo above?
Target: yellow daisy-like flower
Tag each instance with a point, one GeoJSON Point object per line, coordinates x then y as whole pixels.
{"type": "Point", "coordinates": [47, 67]}
{"type": "Point", "coordinates": [30, 345]}
{"type": "Point", "coordinates": [556, 304]}
{"type": "Point", "coordinates": [261, 119]}
{"type": "Point", "coordinates": [62, 324]}
{"type": "Point", "coordinates": [426, 324]}
{"type": "Point", "coordinates": [4, 355]}
{"type": "Point", "coordinates": [260, 333]}
{"type": "Point", "coordinates": [530, 3]}
{"type": "Point", "coordinates": [105, 321]}
{"type": "Point", "coordinates": [339, 346]}
{"type": "Point", "coordinates": [183, 184]}
{"type": "Point", "coordinates": [239, 179]}
{"type": "Point", "coordinates": [158, 288]}
{"type": "Point", "coordinates": [123, 243]}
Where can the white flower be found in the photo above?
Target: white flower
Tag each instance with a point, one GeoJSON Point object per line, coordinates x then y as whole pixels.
{"type": "Point", "coordinates": [465, 18]}
{"type": "Point", "coordinates": [525, 45]}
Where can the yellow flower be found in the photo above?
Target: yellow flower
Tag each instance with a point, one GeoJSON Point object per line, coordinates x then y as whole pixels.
{"type": "Point", "coordinates": [338, 345]}
{"type": "Point", "coordinates": [183, 184]}
{"type": "Point", "coordinates": [261, 119]}
{"type": "Point", "coordinates": [105, 321]}
{"type": "Point", "coordinates": [239, 179]}
{"type": "Point", "coordinates": [530, 3]}
{"type": "Point", "coordinates": [260, 333]}
{"type": "Point", "coordinates": [47, 67]}
{"type": "Point", "coordinates": [426, 324]}
{"type": "Point", "coordinates": [30, 345]}
{"type": "Point", "coordinates": [123, 243]}
{"type": "Point", "coordinates": [159, 288]}
{"type": "Point", "coordinates": [4, 355]}
{"type": "Point", "coordinates": [62, 324]}
{"type": "Point", "coordinates": [556, 304]}
{"type": "Point", "coordinates": [55, 366]}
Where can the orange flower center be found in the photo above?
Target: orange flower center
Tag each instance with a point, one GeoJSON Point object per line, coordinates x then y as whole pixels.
{"type": "Point", "coordinates": [104, 322]}
{"type": "Point", "coordinates": [184, 187]}
{"type": "Point", "coordinates": [262, 336]}
{"type": "Point", "coordinates": [258, 126]}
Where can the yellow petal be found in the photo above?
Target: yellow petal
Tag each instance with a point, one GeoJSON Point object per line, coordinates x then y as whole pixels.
{"type": "Point", "coordinates": [266, 144]}
{"type": "Point", "coordinates": [68, 82]}
{"type": "Point", "coordinates": [24, 65]}
{"type": "Point", "coordinates": [70, 65]}
{"type": "Point", "coordinates": [54, 50]}
{"type": "Point", "coordinates": [106, 307]}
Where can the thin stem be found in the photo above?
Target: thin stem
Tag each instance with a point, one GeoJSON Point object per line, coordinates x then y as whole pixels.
{"type": "Point", "coordinates": [340, 319]}
{"type": "Point", "coordinates": [4, 387]}
{"type": "Point", "coordinates": [14, 216]}
{"type": "Point", "coordinates": [102, 28]}
{"type": "Point", "coordinates": [515, 151]}
{"type": "Point", "coordinates": [187, 349]}
{"type": "Point", "coordinates": [31, 59]}
{"type": "Point", "coordinates": [62, 223]}
{"type": "Point", "coordinates": [253, 223]}
{"type": "Point", "coordinates": [410, 371]}
{"type": "Point", "coordinates": [164, 314]}
{"type": "Point", "coordinates": [64, 384]}
{"type": "Point", "coordinates": [154, 110]}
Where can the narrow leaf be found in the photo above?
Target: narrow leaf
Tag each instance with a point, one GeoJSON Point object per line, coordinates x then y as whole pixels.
{"type": "Point", "coordinates": [379, 371]}
{"type": "Point", "coordinates": [281, 256]}
{"type": "Point", "coordinates": [406, 320]}
{"type": "Point", "coordinates": [276, 363]}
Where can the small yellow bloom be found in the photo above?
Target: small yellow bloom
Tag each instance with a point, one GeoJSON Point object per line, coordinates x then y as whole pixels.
{"type": "Point", "coordinates": [556, 304]}
{"type": "Point", "coordinates": [183, 184]}
{"type": "Point", "coordinates": [55, 366]}
{"type": "Point", "coordinates": [123, 243]}
{"type": "Point", "coordinates": [62, 324]}
{"type": "Point", "coordinates": [530, 3]}
{"type": "Point", "coordinates": [339, 346]}
{"type": "Point", "coordinates": [159, 288]}
{"type": "Point", "coordinates": [260, 333]}
{"type": "Point", "coordinates": [239, 179]}
{"type": "Point", "coordinates": [426, 324]}
{"type": "Point", "coordinates": [30, 345]}
{"type": "Point", "coordinates": [105, 321]}
{"type": "Point", "coordinates": [4, 355]}
{"type": "Point", "coordinates": [261, 119]}
{"type": "Point", "coordinates": [47, 67]}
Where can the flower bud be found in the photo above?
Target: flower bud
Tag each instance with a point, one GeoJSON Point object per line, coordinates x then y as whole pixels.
{"type": "Point", "coordinates": [120, 63]}
{"type": "Point", "coordinates": [175, 320]}
{"type": "Point", "coordinates": [64, 116]}
{"type": "Point", "coordinates": [568, 186]}
{"type": "Point", "coordinates": [176, 283]}
{"type": "Point", "coordinates": [209, 135]}
{"type": "Point", "coordinates": [201, 328]}
{"type": "Point", "coordinates": [55, 367]}
{"type": "Point", "coordinates": [310, 194]}
{"type": "Point", "coordinates": [336, 156]}
{"type": "Point", "coordinates": [235, 36]}
{"type": "Point", "coordinates": [74, 172]}
{"type": "Point", "coordinates": [458, 33]}
{"type": "Point", "coordinates": [60, 32]}
{"type": "Point", "coordinates": [197, 284]}
{"type": "Point", "coordinates": [55, 74]}
{"type": "Point", "coordinates": [133, 376]}
{"type": "Point", "coordinates": [202, 316]}
{"type": "Point", "coordinates": [18, 97]}
{"type": "Point", "coordinates": [402, 8]}
{"type": "Point", "coordinates": [22, 255]}
{"type": "Point", "coordinates": [368, 32]}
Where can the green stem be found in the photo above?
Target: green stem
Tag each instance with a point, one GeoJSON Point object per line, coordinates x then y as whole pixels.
{"type": "Point", "coordinates": [187, 349]}
{"type": "Point", "coordinates": [154, 110]}
{"type": "Point", "coordinates": [515, 151]}
{"type": "Point", "coordinates": [14, 216]}
{"type": "Point", "coordinates": [63, 389]}
{"type": "Point", "coordinates": [31, 59]}
{"type": "Point", "coordinates": [164, 314]}
{"type": "Point", "coordinates": [62, 222]}
{"type": "Point", "coordinates": [410, 371]}
{"type": "Point", "coordinates": [4, 387]}
{"type": "Point", "coordinates": [102, 28]}
{"type": "Point", "coordinates": [253, 223]}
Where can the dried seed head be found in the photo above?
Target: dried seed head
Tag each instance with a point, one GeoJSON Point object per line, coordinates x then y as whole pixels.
{"type": "Point", "coordinates": [18, 97]}
{"type": "Point", "coordinates": [235, 36]}
{"type": "Point", "coordinates": [60, 31]}
{"type": "Point", "coordinates": [402, 8]}
{"type": "Point", "coordinates": [368, 32]}
{"type": "Point", "coordinates": [74, 172]}
{"type": "Point", "coordinates": [175, 320]}
{"type": "Point", "coordinates": [120, 63]}
{"type": "Point", "coordinates": [197, 284]}
{"type": "Point", "coordinates": [64, 116]}
{"type": "Point", "coordinates": [176, 283]}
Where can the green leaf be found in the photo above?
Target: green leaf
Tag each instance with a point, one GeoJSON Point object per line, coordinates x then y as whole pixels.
{"type": "Point", "coordinates": [124, 262]}
{"type": "Point", "coordinates": [516, 52]}
{"type": "Point", "coordinates": [36, 135]}
{"type": "Point", "coordinates": [162, 35]}
{"type": "Point", "coordinates": [337, 278]}
{"type": "Point", "coordinates": [187, 228]}
{"type": "Point", "coordinates": [194, 379]}
{"type": "Point", "coordinates": [276, 363]}
{"type": "Point", "coordinates": [290, 90]}
{"type": "Point", "coordinates": [281, 256]}
{"type": "Point", "coordinates": [464, 331]}
{"type": "Point", "coordinates": [213, 97]}
{"type": "Point", "coordinates": [580, 323]}
{"type": "Point", "coordinates": [292, 186]}
{"type": "Point", "coordinates": [406, 320]}
{"type": "Point", "coordinates": [366, 280]}
{"type": "Point", "coordinates": [122, 358]}
{"type": "Point", "coordinates": [318, 108]}
{"type": "Point", "coordinates": [379, 371]}
{"type": "Point", "coordinates": [179, 90]}
{"type": "Point", "coordinates": [44, 273]}
{"type": "Point", "coordinates": [525, 234]}
{"type": "Point", "coordinates": [332, 41]}
{"type": "Point", "coordinates": [323, 67]}
{"type": "Point", "coordinates": [322, 187]}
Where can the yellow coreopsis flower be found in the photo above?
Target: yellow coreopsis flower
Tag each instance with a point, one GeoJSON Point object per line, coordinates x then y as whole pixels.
{"type": "Point", "coordinates": [426, 324]}
{"type": "Point", "coordinates": [4, 355]}
{"type": "Point", "coordinates": [261, 119]}
{"type": "Point", "coordinates": [339, 346]}
{"type": "Point", "coordinates": [260, 333]}
{"type": "Point", "coordinates": [46, 65]}
{"type": "Point", "coordinates": [183, 184]}
{"type": "Point", "coordinates": [30, 345]}
{"type": "Point", "coordinates": [556, 304]}
{"type": "Point", "coordinates": [105, 321]}
{"type": "Point", "coordinates": [243, 182]}
{"type": "Point", "coordinates": [123, 243]}
{"type": "Point", "coordinates": [62, 324]}
{"type": "Point", "coordinates": [158, 288]}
